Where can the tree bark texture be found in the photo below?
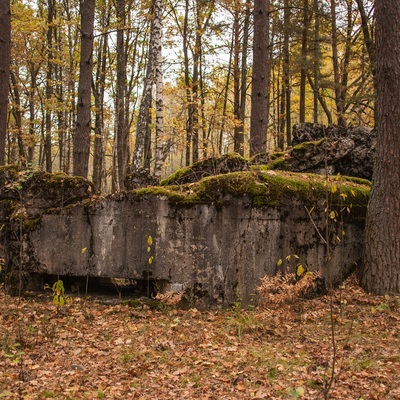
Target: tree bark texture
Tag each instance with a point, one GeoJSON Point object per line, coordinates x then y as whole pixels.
{"type": "Point", "coordinates": [121, 125]}
{"type": "Point", "coordinates": [381, 267]}
{"type": "Point", "coordinates": [260, 78]}
{"type": "Point", "coordinates": [5, 51]}
{"type": "Point", "coordinates": [82, 134]}
{"type": "Point", "coordinates": [303, 71]}
{"type": "Point", "coordinates": [158, 77]}
{"type": "Point", "coordinates": [145, 104]}
{"type": "Point", "coordinates": [49, 85]}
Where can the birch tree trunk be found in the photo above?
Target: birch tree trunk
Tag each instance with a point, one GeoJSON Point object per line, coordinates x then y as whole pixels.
{"type": "Point", "coordinates": [143, 118]}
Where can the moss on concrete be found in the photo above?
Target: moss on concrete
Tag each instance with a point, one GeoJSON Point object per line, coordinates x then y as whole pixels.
{"type": "Point", "coordinates": [266, 189]}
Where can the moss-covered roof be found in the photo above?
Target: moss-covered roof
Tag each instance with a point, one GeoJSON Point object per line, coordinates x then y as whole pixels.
{"type": "Point", "coordinates": [266, 188]}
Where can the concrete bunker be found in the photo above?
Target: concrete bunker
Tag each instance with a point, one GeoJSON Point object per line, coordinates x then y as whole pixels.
{"type": "Point", "coordinates": [214, 238]}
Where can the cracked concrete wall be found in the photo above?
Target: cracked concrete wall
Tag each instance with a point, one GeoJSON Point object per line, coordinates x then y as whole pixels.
{"type": "Point", "coordinates": [217, 253]}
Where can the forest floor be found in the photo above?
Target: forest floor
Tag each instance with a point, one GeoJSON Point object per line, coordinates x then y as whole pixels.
{"type": "Point", "coordinates": [88, 350]}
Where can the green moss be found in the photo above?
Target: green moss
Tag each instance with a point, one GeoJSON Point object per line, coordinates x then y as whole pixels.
{"type": "Point", "coordinates": [278, 164]}
{"type": "Point", "coordinates": [359, 181]}
{"type": "Point", "coordinates": [265, 188]}
{"type": "Point", "coordinates": [276, 155]}
{"type": "Point", "coordinates": [207, 167]}
{"type": "Point", "coordinates": [306, 145]}
{"type": "Point", "coordinates": [176, 176]}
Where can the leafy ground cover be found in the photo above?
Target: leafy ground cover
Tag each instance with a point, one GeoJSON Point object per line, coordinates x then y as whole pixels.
{"type": "Point", "coordinates": [88, 350]}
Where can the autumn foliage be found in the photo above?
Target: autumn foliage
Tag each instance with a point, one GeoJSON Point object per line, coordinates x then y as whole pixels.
{"type": "Point", "coordinates": [89, 350]}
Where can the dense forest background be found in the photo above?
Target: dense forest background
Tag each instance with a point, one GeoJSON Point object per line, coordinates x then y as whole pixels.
{"type": "Point", "coordinates": [129, 84]}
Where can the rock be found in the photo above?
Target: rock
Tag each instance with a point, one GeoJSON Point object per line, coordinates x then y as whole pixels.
{"type": "Point", "coordinates": [332, 150]}
{"type": "Point", "coordinates": [208, 167]}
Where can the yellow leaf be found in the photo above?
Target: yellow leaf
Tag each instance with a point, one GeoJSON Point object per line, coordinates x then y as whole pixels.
{"type": "Point", "coordinates": [300, 270]}
{"type": "Point", "coordinates": [333, 188]}
{"type": "Point", "coordinates": [332, 215]}
{"type": "Point", "coordinates": [149, 240]}
{"type": "Point", "coordinates": [83, 250]}
{"type": "Point", "coordinates": [343, 196]}
{"type": "Point", "coordinates": [279, 263]}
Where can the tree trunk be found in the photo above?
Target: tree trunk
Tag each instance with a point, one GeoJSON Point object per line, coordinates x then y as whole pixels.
{"type": "Point", "coordinates": [303, 71]}
{"type": "Point", "coordinates": [238, 138]}
{"type": "Point", "coordinates": [82, 135]}
{"type": "Point", "coordinates": [49, 86]}
{"type": "Point", "coordinates": [316, 61]}
{"type": "Point", "coordinates": [381, 269]}
{"type": "Point", "coordinates": [240, 74]}
{"type": "Point", "coordinates": [158, 77]}
{"type": "Point", "coordinates": [189, 97]}
{"type": "Point", "coordinates": [336, 71]}
{"type": "Point", "coordinates": [17, 114]}
{"type": "Point", "coordinates": [260, 78]}
{"type": "Point", "coordinates": [286, 72]}
{"type": "Point", "coordinates": [121, 126]}
{"type": "Point", "coordinates": [99, 91]}
{"type": "Point", "coordinates": [5, 59]}
{"type": "Point", "coordinates": [145, 104]}
{"type": "Point", "coordinates": [368, 36]}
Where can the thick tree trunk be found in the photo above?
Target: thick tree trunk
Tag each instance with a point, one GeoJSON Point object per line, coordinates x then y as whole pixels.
{"type": "Point", "coordinates": [5, 51]}
{"type": "Point", "coordinates": [82, 134]}
{"type": "Point", "coordinates": [260, 79]}
{"type": "Point", "coordinates": [381, 270]}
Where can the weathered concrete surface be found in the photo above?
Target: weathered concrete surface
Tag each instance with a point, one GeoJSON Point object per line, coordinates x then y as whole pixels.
{"type": "Point", "coordinates": [215, 238]}
{"type": "Point", "coordinates": [217, 253]}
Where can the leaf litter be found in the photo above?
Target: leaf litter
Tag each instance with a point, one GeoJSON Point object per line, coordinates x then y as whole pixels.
{"type": "Point", "coordinates": [88, 350]}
